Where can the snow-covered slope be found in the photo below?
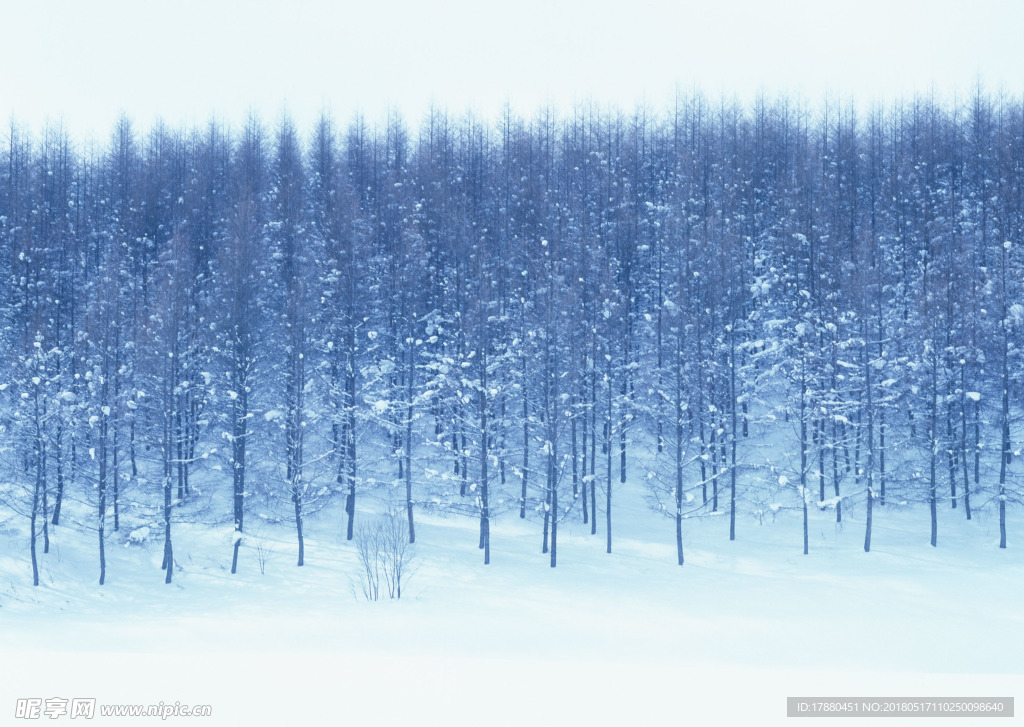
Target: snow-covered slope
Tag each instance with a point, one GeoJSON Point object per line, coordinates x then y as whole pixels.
{"type": "Point", "coordinates": [626, 637]}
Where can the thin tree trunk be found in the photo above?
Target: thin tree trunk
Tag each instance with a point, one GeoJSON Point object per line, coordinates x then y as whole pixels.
{"type": "Point", "coordinates": [963, 440]}
{"type": "Point", "coordinates": [679, 446]}
{"type": "Point", "coordinates": [102, 491]}
{"type": "Point", "coordinates": [297, 501]}
{"type": "Point", "coordinates": [33, 531]}
{"type": "Point", "coordinates": [45, 513]}
{"type": "Point", "coordinates": [170, 381]}
{"type": "Point", "coordinates": [835, 469]}
{"type": "Point", "coordinates": [951, 455]}
{"type": "Point", "coordinates": [575, 455]}
{"type": "Point", "coordinates": [1004, 450]}
{"type": "Point", "coordinates": [732, 397]}
{"type": "Point", "coordinates": [714, 465]}
{"type": "Point", "coordinates": [933, 494]}
{"type": "Point", "coordinates": [593, 443]}
{"type": "Point", "coordinates": [350, 500]}
{"type": "Point", "coordinates": [803, 444]}
{"type": "Point", "coordinates": [608, 440]}
{"type": "Point", "coordinates": [240, 410]}
{"type": "Point", "coordinates": [33, 515]}
{"type": "Point", "coordinates": [59, 459]}
{"type": "Point", "coordinates": [583, 446]}
{"type": "Point", "coordinates": [869, 469]}
{"type": "Point", "coordinates": [408, 445]}
{"type": "Point", "coordinates": [115, 475]}
{"type": "Point", "coordinates": [168, 549]}
{"type": "Point", "coordinates": [485, 513]}
{"type": "Point", "coordinates": [881, 456]}
{"type": "Point", "coordinates": [526, 455]}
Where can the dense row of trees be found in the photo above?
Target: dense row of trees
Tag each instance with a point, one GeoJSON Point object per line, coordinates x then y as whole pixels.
{"type": "Point", "coordinates": [739, 309]}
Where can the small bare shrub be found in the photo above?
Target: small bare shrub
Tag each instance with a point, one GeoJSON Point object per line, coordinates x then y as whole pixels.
{"type": "Point", "coordinates": [384, 555]}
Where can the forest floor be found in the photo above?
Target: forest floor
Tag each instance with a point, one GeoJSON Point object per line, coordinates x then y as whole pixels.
{"type": "Point", "coordinates": [622, 638]}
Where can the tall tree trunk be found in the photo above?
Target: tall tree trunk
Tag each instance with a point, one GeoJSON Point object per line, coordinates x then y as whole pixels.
{"type": "Point", "coordinates": [608, 441]}
{"type": "Point", "coordinates": [350, 500]}
{"type": "Point", "coordinates": [835, 469]}
{"type": "Point", "coordinates": [714, 463]}
{"type": "Point", "coordinates": [102, 492]}
{"type": "Point", "coordinates": [583, 445]}
{"type": "Point", "coordinates": [1004, 422]}
{"type": "Point", "coordinates": [297, 502]}
{"type": "Point", "coordinates": [678, 413]}
{"type": "Point", "coordinates": [526, 455]}
{"type": "Point", "coordinates": [239, 424]}
{"type": "Point", "coordinates": [803, 443]}
{"type": "Point", "coordinates": [294, 437]}
{"type": "Point", "coordinates": [575, 455]}
{"type": "Point", "coordinates": [933, 441]}
{"type": "Point", "coordinates": [58, 457]}
{"type": "Point", "coordinates": [881, 456]}
{"type": "Point", "coordinates": [869, 468]}
{"type": "Point", "coordinates": [593, 442]}
{"type": "Point", "coordinates": [951, 455]}
{"type": "Point", "coordinates": [34, 532]}
{"type": "Point", "coordinates": [732, 397]}
{"type": "Point", "coordinates": [485, 505]}
{"type": "Point", "coordinates": [963, 440]}
{"type": "Point", "coordinates": [700, 421]}
{"type": "Point", "coordinates": [36, 492]}
{"type": "Point", "coordinates": [408, 443]}
{"type": "Point", "coordinates": [45, 513]}
{"type": "Point", "coordinates": [168, 560]}
{"type": "Point", "coordinates": [168, 549]}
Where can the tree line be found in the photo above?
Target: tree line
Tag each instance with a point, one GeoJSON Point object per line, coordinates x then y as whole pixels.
{"type": "Point", "coordinates": [738, 308]}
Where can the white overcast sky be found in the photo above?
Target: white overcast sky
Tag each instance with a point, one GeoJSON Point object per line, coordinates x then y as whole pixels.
{"type": "Point", "coordinates": [87, 61]}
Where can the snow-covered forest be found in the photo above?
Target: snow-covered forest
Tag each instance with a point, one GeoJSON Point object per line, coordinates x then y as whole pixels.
{"type": "Point", "coordinates": [734, 311]}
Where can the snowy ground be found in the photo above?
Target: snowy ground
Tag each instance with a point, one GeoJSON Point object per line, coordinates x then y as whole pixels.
{"type": "Point", "coordinates": [626, 638]}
